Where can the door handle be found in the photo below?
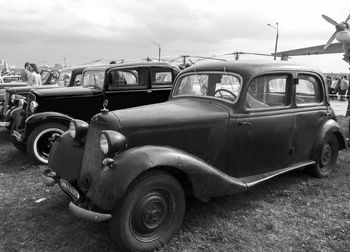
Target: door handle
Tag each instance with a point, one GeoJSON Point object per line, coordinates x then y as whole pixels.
{"type": "Point", "coordinates": [149, 91]}
{"type": "Point", "coordinates": [244, 123]}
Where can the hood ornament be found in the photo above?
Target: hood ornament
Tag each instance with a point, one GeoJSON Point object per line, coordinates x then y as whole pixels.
{"type": "Point", "coordinates": [105, 104]}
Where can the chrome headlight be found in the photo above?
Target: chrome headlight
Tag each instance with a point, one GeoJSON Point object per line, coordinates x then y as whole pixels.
{"type": "Point", "coordinates": [104, 146]}
{"type": "Point", "coordinates": [33, 106]}
{"type": "Point", "coordinates": [78, 129]}
{"type": "Point", "coordinates": [112, 141]}
{"type": "Point", "coordinates": [13, 98]}
{"type": "Point", "coordinates": [72, 130]}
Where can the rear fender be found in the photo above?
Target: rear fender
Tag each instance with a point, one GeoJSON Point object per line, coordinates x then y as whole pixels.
{"type": "Point", "coordinates": [206, 181]}
{"type": "Point", "coordinates": [331, 127]}
{"type": "Point", "coordinates": [36, 119]}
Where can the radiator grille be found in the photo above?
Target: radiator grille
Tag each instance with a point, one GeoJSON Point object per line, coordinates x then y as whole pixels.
{"type": "Point", "coordinates": [92, 157]}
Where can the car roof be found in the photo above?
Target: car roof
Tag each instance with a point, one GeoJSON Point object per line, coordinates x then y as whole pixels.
{"type": "Point", "coordinates": [250, 67]}
{"type": "Point", "coordinates": [73, 68]}
{"type": "Point", "coordinates": [132, 64]}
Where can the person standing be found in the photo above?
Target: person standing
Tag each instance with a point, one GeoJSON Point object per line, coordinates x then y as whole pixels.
{"type": "Point", "coordinates": [334, 87]}
{"type": "Point", "coordinates": [35, 77]}
{"type": "Point", "coordinates": [25, 72]}
{"type": "Point", "coordinates": [344, 85]}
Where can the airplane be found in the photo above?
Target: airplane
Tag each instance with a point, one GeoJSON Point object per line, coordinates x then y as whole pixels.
{"type": "Point", "coordinates": [341, 34]}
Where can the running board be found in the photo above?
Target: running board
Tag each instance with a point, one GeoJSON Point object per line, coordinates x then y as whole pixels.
{"type": "Point", "coordinates": [256, 179]}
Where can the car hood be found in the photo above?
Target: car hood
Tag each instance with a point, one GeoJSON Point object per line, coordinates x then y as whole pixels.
{"type": "Point", "coordinates": [12, 84]}
{"type": "Point", "coordinates": [175, 112]}
{"type": "Point", "coordinates": [64, 91]}
{"type": "Point", "coordinates": [196, 126]}
{"type": "Point", "coordinates": [15, 90]}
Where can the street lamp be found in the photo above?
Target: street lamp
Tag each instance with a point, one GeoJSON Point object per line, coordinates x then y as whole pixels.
{"type": "Point", "coordinates": [276, 28]}
{"type": "Point", "coordinates": [159, 49]}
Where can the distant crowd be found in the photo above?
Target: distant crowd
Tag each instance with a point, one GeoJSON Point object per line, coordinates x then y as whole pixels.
{"type": "Point", "coordinates": [338, 86]}
{"type": "Point", "coordinates": [31, 74]}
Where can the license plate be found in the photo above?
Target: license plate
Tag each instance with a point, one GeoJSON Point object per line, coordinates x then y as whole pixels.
{"type": "Point", "coordinates": [69, 189]}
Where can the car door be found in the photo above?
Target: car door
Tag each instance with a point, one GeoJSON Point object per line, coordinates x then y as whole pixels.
{"type": "Point", "coordinates": [263, 140]}
{"type": "Point", "coordinates": [127, 87]}
{"type": "Point", "coordinates": [310, 113]}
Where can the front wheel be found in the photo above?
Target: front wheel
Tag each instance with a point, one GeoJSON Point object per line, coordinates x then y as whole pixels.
{"type": "Point", "coordinates": [326, 157]}
{"type": "Point", "coordinates": [40, 141]}
{"type": "Point", "coordinates": [150, 212]}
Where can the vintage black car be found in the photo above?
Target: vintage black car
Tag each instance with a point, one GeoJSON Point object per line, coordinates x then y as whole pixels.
{"type": "Point", "coordinates": [48, 78]}
{"type": "Point", "coordinates": [114, 86]}
{"type": "Point", "coordinates": [226, 127]}
{"type": "Point", "coordinates": [15, 99]}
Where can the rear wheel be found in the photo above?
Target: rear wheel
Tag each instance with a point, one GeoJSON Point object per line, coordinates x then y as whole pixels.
{"type": "Point", "coordinates": [326, 157]}
{"type": "Point", "coordinates": [40, 141]}
{"type": "Point", "coordinates": [150, 212]}
{"type": "Point", "coordinates": [19, 145]}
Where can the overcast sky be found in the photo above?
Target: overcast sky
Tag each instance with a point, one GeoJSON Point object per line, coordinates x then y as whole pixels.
{"type": "Point", "coordinates": [44, 32]}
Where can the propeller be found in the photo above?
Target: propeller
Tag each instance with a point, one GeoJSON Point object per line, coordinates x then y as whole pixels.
{"type": "Point", "coordinates": [338, 26]}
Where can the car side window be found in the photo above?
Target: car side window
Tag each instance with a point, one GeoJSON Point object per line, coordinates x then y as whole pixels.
{"type": "Point", "coordinates": [127, 78]}
{"type": "Point", "coordinates": [308, 90]}
{"type": "Point", "coordinates": [266, 92]}
{"type": "Point", "coordinates": [77, 80]}
{"type": "Point", "coordinates": [161, 76]}
{"type": "Point", "coordinates": [44, 76]}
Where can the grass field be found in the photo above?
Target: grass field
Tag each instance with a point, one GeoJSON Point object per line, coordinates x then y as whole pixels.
{"type": "Point", "coordinates": [292, 212]}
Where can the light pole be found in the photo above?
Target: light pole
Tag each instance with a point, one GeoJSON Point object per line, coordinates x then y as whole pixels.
{"type": "Point", "coordinates": [159, 49]}
{"type": "Point", "coordinates": [276, 28]}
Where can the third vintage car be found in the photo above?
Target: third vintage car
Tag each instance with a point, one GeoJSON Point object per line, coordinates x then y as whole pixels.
{"type": "Point", "coordinates": [227, 127]}
{"type": "Point", "coordinates": [115, 86]}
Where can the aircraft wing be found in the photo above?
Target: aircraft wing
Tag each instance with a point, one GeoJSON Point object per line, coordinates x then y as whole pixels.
{"type": "Point", "coordinates": [314, 50]}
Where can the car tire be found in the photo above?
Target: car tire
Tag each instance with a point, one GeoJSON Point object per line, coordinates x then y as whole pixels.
{"type": "Point", "coordinates": [326, 157]}
{"type": "Point", "coordinates": [150, 212]}
{"type": "Point", "coordinates": [40, 141]}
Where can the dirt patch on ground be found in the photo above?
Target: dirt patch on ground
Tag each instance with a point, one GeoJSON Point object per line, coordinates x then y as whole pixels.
{"type": "Point", "coordinates": [293, 211]}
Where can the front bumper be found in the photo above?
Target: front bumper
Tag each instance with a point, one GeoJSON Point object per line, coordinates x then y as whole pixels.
{"type": "Point", "coordinates": [77, 207]}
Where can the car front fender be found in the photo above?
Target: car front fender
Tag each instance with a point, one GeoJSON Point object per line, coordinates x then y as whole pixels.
{"type": "Point", "coordinates": [114, 180]}
{"type": "Point", "coordinates": [44, 117]}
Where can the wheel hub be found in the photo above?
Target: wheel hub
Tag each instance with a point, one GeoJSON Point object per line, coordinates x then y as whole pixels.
{"type": "Point", "coordinates": [150, 216]}
{"type": "Point", "coordinates": [153, 216]}
{"type": "Point", "coordinates": [326, 154]}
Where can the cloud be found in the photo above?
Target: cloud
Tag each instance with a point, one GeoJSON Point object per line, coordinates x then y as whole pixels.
{"type": "Point", "coordinates": [87, 29]}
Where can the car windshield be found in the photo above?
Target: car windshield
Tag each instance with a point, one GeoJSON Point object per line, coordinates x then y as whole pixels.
{"type": "Point", "coordinates": [220, 85]}
{"type": "Point", "coordinates": [64, 78]}
{"type": "Point", "coordinates": [93, 79]}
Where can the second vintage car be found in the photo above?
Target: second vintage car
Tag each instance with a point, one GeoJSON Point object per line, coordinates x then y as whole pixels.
{"type": "Point", "coordinates": [227, 127]}
{"type": "Point", "coordinates": [115, 86]}
{"type": "Point", "coordinates": [15, 98]}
